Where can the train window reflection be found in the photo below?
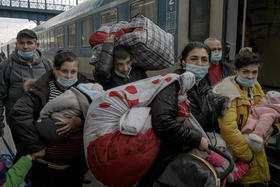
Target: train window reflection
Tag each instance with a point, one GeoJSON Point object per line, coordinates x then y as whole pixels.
{"type": "Point", "coordinates": [148, 8]}
{"type": "Point", "coordinates": [51, 38]}
{"type": "Point", "coordinates": [87, 29]}
{"type": "Point", "coordinates": [40, 40]}
{"type": "Point", "coordinates": [72, 35]}
{"type": "Point", "coordinates": [59, 33]}
{"type": "Point", "coordinates": [45, 40]}
{"type": "Point", "coordinates": [109, 17]}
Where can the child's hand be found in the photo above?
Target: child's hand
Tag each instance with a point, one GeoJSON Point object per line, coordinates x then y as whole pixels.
{"type": "Point", "coordinates": [204, 145]}
{"type": "Point", "coordinates": [263, 101]}
{"type": "Point", "coordinates": [38, 154]}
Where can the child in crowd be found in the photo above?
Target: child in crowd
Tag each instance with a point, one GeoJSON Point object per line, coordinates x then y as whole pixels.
{"type": "Point", "coordinates": [16, 174]}
{"type": "Point", "coordinates": [220, 164]}
{"type": "Point", "coordinates": [261, 119]}
{"type": "Point", "coordinates": [74, 101]}
{"type": "Point", "coordinates": [258, 124]}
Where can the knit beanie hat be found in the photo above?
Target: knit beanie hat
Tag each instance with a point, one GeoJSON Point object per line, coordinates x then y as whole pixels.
{"type": "Point", "coordinates": [2, 174]}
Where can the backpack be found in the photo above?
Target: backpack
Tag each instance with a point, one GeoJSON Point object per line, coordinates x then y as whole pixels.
{"type": "Point", "coordinates": [47, 64]}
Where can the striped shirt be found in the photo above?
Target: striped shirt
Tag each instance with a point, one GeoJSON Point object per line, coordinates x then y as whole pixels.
{"type": "Point", "coordinates": [54, 91]}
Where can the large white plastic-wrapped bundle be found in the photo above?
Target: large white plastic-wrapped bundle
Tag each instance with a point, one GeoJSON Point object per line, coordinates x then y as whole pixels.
{"type": "Point", "coordinates": [151, 47]}
{"type": "Point", "coordinates": [112, 155]}
{"type": "Point", "coordinates": [120, 144]}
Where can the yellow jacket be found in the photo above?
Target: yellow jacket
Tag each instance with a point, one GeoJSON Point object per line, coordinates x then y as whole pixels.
{"type": "Point", "coordinates": [236, 115]}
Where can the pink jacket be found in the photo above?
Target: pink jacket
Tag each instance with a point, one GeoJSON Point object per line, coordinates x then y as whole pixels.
{"type": "Point", "coordinates": [261, 118]}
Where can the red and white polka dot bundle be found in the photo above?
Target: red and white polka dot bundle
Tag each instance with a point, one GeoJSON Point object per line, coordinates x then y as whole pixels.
{"type": "Point", "coordinates": [120, 144]}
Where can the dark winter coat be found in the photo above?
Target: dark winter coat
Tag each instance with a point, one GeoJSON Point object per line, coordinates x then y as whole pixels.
{"type": "Point", "coordinates": [227, 69]}
{"type": "Point", "coordinates": [205, 105]}
{"type": "Point", "coordinates": [13, 73]}
{"type": "Point", "coordinates": [25, 113]}
{"type": "Point", "coordinates": [164, 111]}
{"type": "Point", "coordinates": [104, 71]}
{"type": "Point", "coordinates": [176, 138]}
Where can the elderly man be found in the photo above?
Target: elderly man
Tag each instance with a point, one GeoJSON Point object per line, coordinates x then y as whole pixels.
{"type": "Point", "coordinates": [26, 62]}
{"type": "Point", "coordinates": [218, 69]}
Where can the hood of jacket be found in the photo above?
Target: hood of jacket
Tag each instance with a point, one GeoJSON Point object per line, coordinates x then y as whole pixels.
{"type": "Point", "coordinates": [227, 88]}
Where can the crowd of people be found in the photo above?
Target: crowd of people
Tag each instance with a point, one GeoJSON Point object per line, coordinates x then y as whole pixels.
{"type": "Point", "coordinates": [220, 98]}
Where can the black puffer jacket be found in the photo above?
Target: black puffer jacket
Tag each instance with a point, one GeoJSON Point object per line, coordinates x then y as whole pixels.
{"type": "Point", "coordinates": [104, 72]}
{"type": "Point", "coordinates": [176, 137]}
{"type": "Point", "coordinates": [164, 111]}
{"type": "Point", "coordinates": [25, 113]}
{"type": "Point", "coordinates": [205, 105]}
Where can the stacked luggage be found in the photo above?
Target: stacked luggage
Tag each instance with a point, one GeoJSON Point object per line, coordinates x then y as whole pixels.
{"type": "Point", "coordinates": [152, 48]}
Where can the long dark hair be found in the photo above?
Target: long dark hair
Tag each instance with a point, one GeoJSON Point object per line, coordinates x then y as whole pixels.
{"type": "Point", "coordinates": [189, 47]}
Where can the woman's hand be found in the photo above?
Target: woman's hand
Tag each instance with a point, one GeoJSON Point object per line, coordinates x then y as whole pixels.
{"type": "Point", "coordinates": [110, 39]}
{"type": "Point", "coordinates": [38, 154]}
{"type": "Point", "coordinates": [70, 124]}
{"type": "Point", "coordinates": [204, 145]}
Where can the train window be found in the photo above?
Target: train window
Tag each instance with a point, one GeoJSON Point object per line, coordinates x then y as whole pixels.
{"type": "Point", "coordinates": [71, 35]}
{"type": "Point", "coordinates": [41, 40]}
{"type": "Point", "coordinates": [59, 33]}
{"type": "Point", "coordinates": [46, 40]}
{"type": "Point", "coordinates": [199, 20]}
{"type": "Point", "coordinates": [51, 38]}
{"type": "Point", "coordinates": [86, 30]}
{"type": "Point", "coordinates": [109, 17]}
{"type": "Point", "coordinates": [147, 8]}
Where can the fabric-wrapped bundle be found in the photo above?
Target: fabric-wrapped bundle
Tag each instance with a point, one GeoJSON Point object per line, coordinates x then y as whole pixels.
{"type": "Point", "coordinates": [152, 48]}
{"type": "Point", "coordinates": [118, 136]}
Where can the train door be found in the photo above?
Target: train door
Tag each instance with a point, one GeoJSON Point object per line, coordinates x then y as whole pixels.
{"type": "Point", "coordinates": [256, 24]}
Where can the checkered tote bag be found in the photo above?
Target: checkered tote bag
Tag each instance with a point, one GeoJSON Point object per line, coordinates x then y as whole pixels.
{"type": "Point", "coordinates": [151, 47]}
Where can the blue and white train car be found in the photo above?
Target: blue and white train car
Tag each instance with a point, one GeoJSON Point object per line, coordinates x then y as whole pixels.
{"type": "Point", "coordinates": [237, 23]}
{"type": "Point", "coordinates": [72, 29]}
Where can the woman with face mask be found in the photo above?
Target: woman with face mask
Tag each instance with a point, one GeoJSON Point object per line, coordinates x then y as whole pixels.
{"type": "Point", "coordinates": [244, 92]}
{"type": "Point", "coordinates": [195, 58]}
{"type": "Point", "coordinates": [24, 114]}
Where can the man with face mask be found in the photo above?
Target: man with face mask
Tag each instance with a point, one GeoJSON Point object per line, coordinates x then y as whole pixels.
{"type": "Point", "coordinates": [218, 68]}
{"type": "Point", "coordinates": [26, 62]}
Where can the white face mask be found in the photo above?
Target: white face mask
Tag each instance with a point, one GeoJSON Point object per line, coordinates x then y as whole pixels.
{"type": "Point", "coordinates": [198, 71]}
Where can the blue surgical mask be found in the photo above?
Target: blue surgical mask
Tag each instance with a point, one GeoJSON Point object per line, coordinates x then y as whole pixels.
{"type": "Point", "coordinates": [198, 71]}
{"type": "Point", "coordinates": [26, 55]}
{"type": "Point", "coordinates": [245, 82]}
{"type": "Point", "coordinates": [66, 83]}
{"type": "Point", "coordinates": [216, 57]}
